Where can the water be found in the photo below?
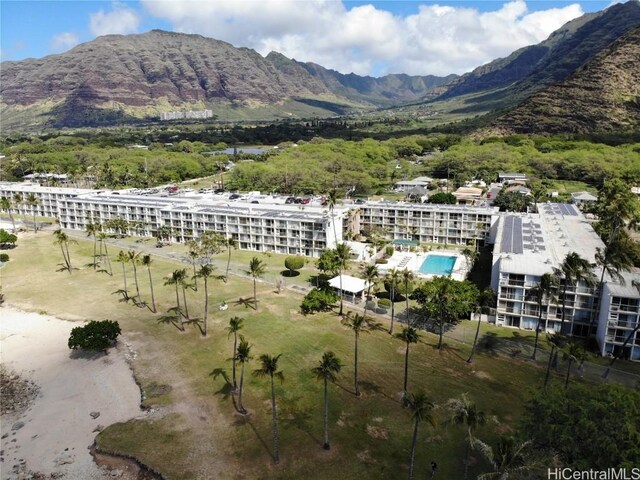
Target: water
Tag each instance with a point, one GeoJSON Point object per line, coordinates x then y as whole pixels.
{"type": "Point", "coordinates": [437, 265]}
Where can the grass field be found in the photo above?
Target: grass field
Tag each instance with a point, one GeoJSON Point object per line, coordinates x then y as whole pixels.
{"type": "Point", "coordinates": [194, 432]}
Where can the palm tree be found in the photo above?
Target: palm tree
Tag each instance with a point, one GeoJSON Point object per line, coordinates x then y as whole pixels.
{"type": "Point", "coordinates": [542, 294]}
{"type": "Point", "coordinates": [92, 230]}
{"type": "Point", "coordinates": [243, 356]}
{"type": "Point", "coordinates": [123, 258]}
{"type": "Point", "coordinates": [421, 408]}
{"type": "Point", "coordinates": [408, 335]}
{"type": "Point", "coordinates": [269, 367]}
{"type": "Point", "coordinates": [393, 277]}
{"type": "Point", "coordinates": [231, 243]}
{"type": "Point", "coordinates": [573, 269]}
{"type": "Point", "coordinates": [63, 240]}
{"type": "Point", "coordinates": [134, 259]}
{"type": "Point", "coordinates": [194, 254]}
{"type": "Point", "coordinates": [485, 304]}
{"type": "Point", "coordinates": [329, 366]}
{"type": "Point", "coordinates": [370, 274]}
{"type": "Point", "coordinates": [257, 268]}
{"type": "Point", "coordinates": [575, 353]}
{"type": "Point", "coordinates": [358, 323]}
{"type": "Point", "coordinates": [18, 200]}
{"type": "Point", "coordinates": [102, 239]}
{"type": "Point", "coordinates": [466, 413]}
{"type": "Point", "coordinates": [407, 277]}
{"type": "Point", "coordinates": [206, 272]}
{"type": "Point", "coordinates": [6, 205]}
{"type": "Point", "coordinates": [146, 261]}
{"type": "Point", "coordinates": [556, 341]}
{"type": "Point", "coordinates": [177, 279]}
{"type": "Point", "coordinates": [508, 460]}
{"type": "Point", "coordinates": [235, 325]}
{"type": "Point", "coordinates": [33, 202]}
{"type": "Point", "coordinates": [471, 256]}
{"type": "Point", "coordinates": [343, 253]}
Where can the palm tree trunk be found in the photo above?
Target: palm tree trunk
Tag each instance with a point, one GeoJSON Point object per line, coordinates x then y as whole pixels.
{"type": "Point", "coordinates": [564, 307]}
{"type": "Point", "coordinates": [341, 296]}
{"type": "Point", "coordinates": [106, 254]}
{"type": "Point", "coordinates": [35, 225]}
{"type": "Point", "coordinates": [326, 445]}
{"type": "Point", "coordinates": [596, 311]}
{"type": "Point", "coordinates": [566, 380]}
{"type": "Point", "coordinates": [135, 277]}
{"type": "Point", "coordinates": [414, 443]}
{"type": "Point", "coordinates": [276, 453]}
{"type": "Point", "coordinates": [184, 301]}
{"type": "Point", "coordinates": [255, 297]}
{"type": "Point", "coordinates": [393, 309]}
{"type": "Point", "coordinates": [66, 247]}
{"type": "Point", "coordinates": [153, 298]}
{"type": "Point", "coordinates": [226, 273]}
{"type": "Point", "coordinates": [406, 373]}
{"type": "Point", "coordinates": [206, 309]}
{"type": "Point", "coordinates": [535, 343]}
{"type": "Point", "coordinates": [546, 377]}
{"type": "Point", "coordinates": [233, 361]}
{"type": "Point", "coordinates": [179, 310]}
{"type": "Point", "coordinates": [124, 276]}
{"type": "Point", "coordinates": [195, 278]}
{"type": "Point", "coordinates": [475, 341]}
{"type": "Point", "coordinates": [95, 254]}
{"type": "Point", "coordinates": [355, 363]}
{"type": "Point", "coordinates": [243, 410]}
{"type": "Point", "coordinates": [406, 298]}
{"type": "Point", "coordinates": [64, 257]}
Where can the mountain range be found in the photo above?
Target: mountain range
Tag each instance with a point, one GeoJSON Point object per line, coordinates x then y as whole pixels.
{"type": "Point", "coordinates": [119, 78]}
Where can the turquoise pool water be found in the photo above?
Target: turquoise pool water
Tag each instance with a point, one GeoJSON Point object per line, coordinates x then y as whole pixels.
{"type": "Point", "coordinates": [437, 265]}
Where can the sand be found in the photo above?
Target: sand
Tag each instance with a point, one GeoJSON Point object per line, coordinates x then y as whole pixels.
{"type": "Point", "coordinates": [58, 425]}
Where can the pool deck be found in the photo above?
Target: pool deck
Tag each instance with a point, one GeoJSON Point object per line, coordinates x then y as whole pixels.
{"type": "Point", "coordinates": [413, 261]}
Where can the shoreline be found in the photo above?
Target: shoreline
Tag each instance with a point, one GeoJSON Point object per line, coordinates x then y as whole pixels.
{"type": "Point", "coordinates": [80, 394]}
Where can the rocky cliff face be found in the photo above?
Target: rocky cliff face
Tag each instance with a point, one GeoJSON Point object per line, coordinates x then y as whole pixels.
{"type": "Point", "coordinates": [602, 96]}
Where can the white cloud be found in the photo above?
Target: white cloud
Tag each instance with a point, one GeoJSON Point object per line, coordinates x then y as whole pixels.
{"type": "Point", "coordinates": [120, 20]}
{"type": "Point", "coordinates": [364, 39]}
{"type": "Point", "coordinates": [63, 42]}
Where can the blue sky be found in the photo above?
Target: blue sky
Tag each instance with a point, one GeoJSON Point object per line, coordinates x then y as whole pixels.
{"type": "Point", "coordinates": [416, 37]}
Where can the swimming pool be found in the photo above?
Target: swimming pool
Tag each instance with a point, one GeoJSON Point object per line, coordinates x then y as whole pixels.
{"type": "Point", "coordinates": [437, 265]}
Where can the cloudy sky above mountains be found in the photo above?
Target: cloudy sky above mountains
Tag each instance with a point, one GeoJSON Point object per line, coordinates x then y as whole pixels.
{"type": "Point", "coordinates": [367, 38]}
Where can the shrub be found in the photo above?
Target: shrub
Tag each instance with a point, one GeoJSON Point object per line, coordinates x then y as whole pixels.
{"type": "Point", "coordinates": [94, 335]}
{"type": "Point", "coordinates": [388, 251]}
{"type": "Point", "coordinates": [4, 257]}
{"type": "Point", "coordinates": [293, 264]}
{"type": "Point", "coordinates": [318, 300]}
{"type": "Point", "coordinates": [381, 261]}
{"type": "Point", "coordinates": [384, 302]}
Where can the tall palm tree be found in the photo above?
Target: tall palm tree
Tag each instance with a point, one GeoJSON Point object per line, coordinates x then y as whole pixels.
{"type": "Point", "coordinates": [343, 254]}
{"type": "Point", "coordinates": [485, 304]}
{"type": "Point", "coordinates": [194, 255]}
{"type": "Point", "coordinates": [573, 269]}
{"type": "Point", "coordinates": [471, 256]}
{"type": "Point", "coordinates": [370, 274]}
{"type": "Point", "coordinates": [123, 258]}
{"type": "Point", "coordinates": [231, 244]}
{"type": "Point", "coordinates": [33, 202]}
{"type": "Point", "coordinates": [408, 335]}
{"type": "Point", "coordinates": [574, 353]}
{"type": "Point", "coordinates": [269, 368]}
{"type": "Point", "coordinates": [18, 201]}
{"type": "Point", "coordinates": [556, 341]}
{"type": "Point", "coordinates": [176, 279]}
{"type": "Point", "coordinates": [257, 268]}
{"type": "Point", "coordinates": [235, 325]}
{"type": "Point", "coordinates": [467, 414]}
{"type": "Point", "coordinates": [92, 230]}
{"type": "Point", "coordinates": [6, 205]}
{"type": "Point", "coordinates": [358, 323]}
{"type": "Point", "coordinates": [63, 240]}
{"type": "Point", "coordinates": [327, 370]}
{"type": "Point", "coordinates": [508, 460]}
{"type": "Point", "coordinates": [393, 277]}
{"type": "Point", "coordinates": [243, 356]}
{"type": "Point", "coordinates": [407, 278]}
{"type": "Point", "coordinates": [421, 410]}
{"type": "Point", "coordinates": [542, 294]}
{"type": "Point", "coordinates": [147, 261]}
{"type": "Point", "coordinates": [102, 237]}
{"type": "Point", "coordinates": [206, 272]}
{"type": "Point", "coordinates": [134, 259]}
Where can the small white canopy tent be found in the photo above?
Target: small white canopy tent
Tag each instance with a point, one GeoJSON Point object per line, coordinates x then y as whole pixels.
{"type": "Point", "coordinates": [350, 286]}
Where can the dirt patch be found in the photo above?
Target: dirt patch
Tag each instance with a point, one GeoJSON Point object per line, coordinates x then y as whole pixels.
{"type": "Point", "coordinates": [17, 392]}
{"type": "Point", "coordinates": [365, 456]}
{"type": "Point", "coordinates": [483, 375]}
{"type": "Point", "coordinates": [122, 468]}
{"type": "Point", "coordinates": [377, 432]}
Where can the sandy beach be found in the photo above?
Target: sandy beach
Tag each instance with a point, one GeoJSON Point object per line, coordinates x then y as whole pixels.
{"type": "Point", "coordinates": [78, 395]}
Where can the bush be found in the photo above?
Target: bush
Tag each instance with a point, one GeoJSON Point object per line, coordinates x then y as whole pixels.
{"type": "Point", "coordinates": [318, 300]}
{"type": "Point", "coordinates": [94, 335]}
{"type": "Point", "coordinates": [293, 264]}
{"type": "Point", "coordinates": [4, 257]}
{"type": "Point", "coordinates": [388, 251]}
{"type": "Point", "coordinates": [381, 261]}
{"type": "Point", "coordinates": [384, 302]}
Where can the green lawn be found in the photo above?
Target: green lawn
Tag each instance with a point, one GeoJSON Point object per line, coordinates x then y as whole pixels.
{"type": "Point", "coordinates": [196, 432]}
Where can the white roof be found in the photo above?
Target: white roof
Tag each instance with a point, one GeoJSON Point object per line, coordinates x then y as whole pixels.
{"type": "Point", "coordinates": [349, 284]}
{"type": "Point", "coordinates": [358, 248]}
